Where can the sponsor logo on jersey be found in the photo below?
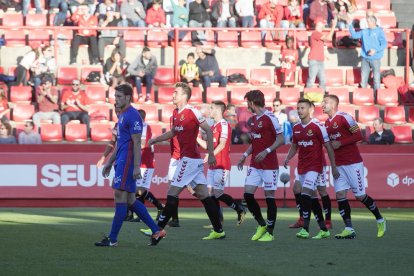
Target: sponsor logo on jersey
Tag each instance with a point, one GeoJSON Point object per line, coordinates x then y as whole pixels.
{"type": "Point", "coordinates": [256, 135]}
{"type": "Point", "coordinates": [335, 136]}
{"type": "Point", "coordinates": [137, 126]}
{"type": "Point", "coordinates": [305, 143]}
{"type": "Point", "coordinates": [178, 128]}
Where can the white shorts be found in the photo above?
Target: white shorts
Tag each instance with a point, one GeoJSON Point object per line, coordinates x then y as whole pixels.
{"type": "Point", "coordinates": [309, 180]}
{"type": "Point", "coordinates": [320, 181]}
{"type": "Point", "coordinates": [171, 168]}
{"type": "Point", "coordinates": [189, 172]}
{"type": "Point", "coordinates": [352, 177]}
{"type": "Point", "coordinates": [145, 181]}
{"type": "Point", "coordinates": [218, 178]}
{"type": "Point", "coordinates": [257, 177]}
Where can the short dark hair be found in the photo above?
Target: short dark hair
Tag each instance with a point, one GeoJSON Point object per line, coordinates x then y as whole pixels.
{"type": "Point", "coordinates": [46, 78]}
{"type": "Point", "coordinates": [277, 100]}
{"type": "Point", "coordinates": [256, 97]}
{"type": "Point", "coordinates": [221, 104]}
{"type": "Point", "coordinates": [303, 100]}
{"type": "Point", "coordinates": [230, 106]}
{"type": "Point", "coordinates": [191, 55]}
{"type": "Point", "coordinates": [8, 127]}
{"type": "Point", "coordinates": [30, 123]}
{"type": "Point", "coordinates": [125, 88]}
{"type": "Point", "coordinates": [186, 89]}
{"type": "Point", "coordinates": [142, 113]}
{"type": "Point", "coordinates": [146, 49]}
{"type": "Point", "coordinates": [288, 38]}
{"type": "Point", "coordinates": [332, 97]}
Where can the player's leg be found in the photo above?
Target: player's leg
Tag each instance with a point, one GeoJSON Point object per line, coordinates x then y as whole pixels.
{"type": "Point", "coordinates": [175, 222]}
{"type": "Point", "coordinates": [147, 174]}
{"type": "Point", "coordinates": [341, 189]}
{"type": "Point", "coordinates": [326, 200]}
{"type": "Point", "coordinates": [210, 188]}
{"type": "Point", "coordinates": [297, 189]}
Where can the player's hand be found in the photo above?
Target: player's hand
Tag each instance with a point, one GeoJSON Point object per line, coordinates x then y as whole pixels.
{"type": "Point", "coordinates": [261, 156]}
{"type": "Point", "coordinates": [335, 173]}
{"type": "Point", "coordinates": [106, 170]}
{"type": "Point", "coordinates": [100, 162]}
{"type": "Point", "coordinates": [211, 160]}
{"type": "Point", "coordinates": [206, 158]}
{"type": "Point", "coordinates": [136, 174]}
{"type": "Point", "coordinates": [151, 142]}
{"type": "Point", "coordinates": [336, 144]}
{"type": "Point", "coordinates": [285, 163]}
{"type": "Point", "coordinates": [240, 164]}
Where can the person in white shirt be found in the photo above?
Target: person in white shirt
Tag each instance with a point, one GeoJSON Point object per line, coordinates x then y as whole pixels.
{"type": "Point", "coordinates": [278, 111]}
{"type": "Point", "coordinates": [29, 135]}
{"type": "Point", "coordinates": [245, 9]}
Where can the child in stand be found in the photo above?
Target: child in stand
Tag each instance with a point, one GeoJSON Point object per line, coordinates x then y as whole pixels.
{"type": "Point", "coordinates": [288, 58]}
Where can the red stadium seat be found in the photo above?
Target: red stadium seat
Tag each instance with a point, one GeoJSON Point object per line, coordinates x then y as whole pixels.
{"type": "Point", "coordinates": [66, 74]}
{"type": "Point", "coordinates": [367, 114]}
{"type": "Point", "coordinates": [303, 76]}
{"type": "Point", "coordinates": [13, 19]}
{"type": "Point", "coordinates": [251, 39]}
{"type": "Point", "coordinates": [334, 77]}
{"type": "Point", "coordinates": [196, 95]}
{"type": "Point", "coordinates": [14, 38]}
{"type": "Point", "coordinates": [411, 115]}
{"type": "Point", "coordinates": [268, 91]}
{"type": "Point", "coordinates": [228, 39]}
{"type": "Point", "coordinates": [76, 132]}
{"type": "Point", "coordinates": [342, 93]}
{"type": "Point", "coordinates": [96, 94]}
{"type": "Point", "coordinates": [134, 38]}
{"type": "Point", "coordinates": [39, 36]}
{"type": "Point", "coordinates": [157, 38]}
{"type": "Point", "coordinates": [302, 38]}
{"type": "Point", "coordinates": [210, 39]}
{"type": "Point", "coordinates": [22, 112]}
{"type": "Point", "coordinates": [184, 42]}
{"type": "Point", "coordinates": [361, 5]}
{"type": "Point", "coordinates": [242, 71]}
{"type": "Point", "coordinates": [387, 97]}
{"type": "Point", "coordinates": [85, 72]}
{"type": "Point", "coordinates": [216, 94]}
{"type": "Point", "coordinates": [167, 111]}
{"type": "Point", "coordinates": [394, 115]}
{"type": "Point", "coordinates": [394, 39]}
{"type": "Point", "coordinates": [272, 42]}
{"type": "Point", "coordinates": [98, 112]}
{"type": "Point", "coordinates": [363, 96]}
{"type": "Point", "coordinates": [151, 112]}
{"type": "Point", "coordinates": [101, 132]}
{"type": "Point", "coordinates": [387, 21]}
{"type": "Point", "coordinates": [353, 76]}
{"type": "Point", "coordinates": [403, 134]}
{"type": "Point", "coordinates": [382, 6]}
{"type": "Point", "coordinates": [237, 94]}
{"type": "Point", "coordinates": [261, 76]}
{"type": "Point", "coordinates": [164, 76]}
{"type": "Point", "coordinates": [64, 35]}
{"type": "Point", "coordinates": [51, 132]}
{"type": "Point", "coordinates": [36, 20]}
{"type": "Point", "coordinates": [156, 130]}
{"type": "Point", "coordinates": [165, 94]}
{"type": "Point", "coordinates": [278, 76]}
{"type": "Point", "coordinates": [21, 94]}
{"type": "Point", "coordinates": [318, 114]}
{"type": "Point", "coordinates": [289, 96]}
{"type": "Point", "coordinates": [350, 109]}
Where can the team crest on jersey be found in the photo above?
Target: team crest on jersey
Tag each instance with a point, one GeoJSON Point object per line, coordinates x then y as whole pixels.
{"type": "Point", "coordinates": [335, 125]}
{"type": "Point", "coordinates": [310, 132]}
{"type": "Point", "coordinates": [260, 124]}
{"type": "Point", "coordinates": [182, 117]}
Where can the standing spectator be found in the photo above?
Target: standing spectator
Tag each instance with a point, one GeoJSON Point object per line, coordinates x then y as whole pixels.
{"type": "Point", "coordinates": [293, 119]}
{"type": "Point", "coordinates": [114, 67]}
{"type": "Point", "coordinates": [245, 9]}
{"type": "Point", "coordinates": [29, 135]}
{"type": "Point", "coordinates": [189, 71]}
{"type": "Point", "coordinates": [231, 116]}
{"type": "Point", "coordinates": [320, 9]}
{"type": "Point", "coordinates": [180, 14]}
{"type": "Point", "coordinates": [60, 16]}
{"type": "Point", "coordinates": [26, 6]}
{"type": "Point", "coordinates": [134, 11]}
{"type": "Point", "coordinates": [199, 17]}
{"type": "Point", "coordinates": [26, 64]}
{"type": "Point", "coordinates": [288, 58]}
{"type": "Point", "coordinates": [84, 19]}
{"type": "Point", "coordinates": [4, 104]}
{"type": "Point", "coordinates": [363, 24]}
{"type": "Point", "coordinates": [143, 69]}
{"type": "Point", "coordinates": [156, 15]}
{"type": "Point", "coordinates": [111, 37]}
{"type": "Point", "coordinates": [224, 14]}
{"type": "Point", "coordinates": [270, 16]}
{"type": "Point", "coordinates": [6, 136]}
{"type": "Point", "coordinates": [74, 106]}
{"type": "Point", "coordinates": [279, 111]}
{"type": "Point", "coordinates": [47, 100]}
{"type": "Point", "coordinates": [373, 45]}
{"type": "Point", "coordinates": [381, 136]}
{"type": "Point", "coordinates": [293, 15]}
{"type": "Point", "coordinates": [317, 54]}
{"type": "Point", "coordinates": [209, 68]}
{"type": "Point", "coordinates": [44, 65]}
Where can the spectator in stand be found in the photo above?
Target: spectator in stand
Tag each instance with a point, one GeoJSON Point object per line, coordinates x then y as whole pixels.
{"type": "Point", "coordinates": [381, 136]}
{"type": "Point", "coordinates": [63, 7]}
{"type": "Point", "coordinates": [75, 4]}
{"type": "Point", "coordinates": [279, 111]}
{"type": "Point", "coordinates": [26, 6]}
{"type": "Point", "coordinates": [293, 15]}
{"type": "Point", "coordinates": [293, 119]}
{"type": "Point", "coordinates": [209, 68]}
{"type": "Point", "coordinates": [84, 19]}
{"type": "Point", "coordinates": [363, 24]}
{"type": "Point", "coordinates": [29, 135]}
{"type": "Point", "coordinates": [288, 58]}
{"type": "Point", "coordinates": [111, 37]}
{"type": "Point", "coordinates": [103, 8]}
{"type": "Point", "coordinates": [143, 69]}
{"type": "Point", "coordinates": [73, 105]}
{"type": "Point", "coordinates": [156, 15]}
{"type": "Point", "coordinates": [4, 104]}
{"type": "Point", "coordinates": [270, 16]}
{"type": "Point", "coordinates": [317, 53]}
{"type": "Point", "coordinates": [10, 4]}
{"type": "Point", "coordinates": [114, 66]}
{"type": "Point", "coordinates": [374, 43]}
{"type": "Point", "coordinates": [189, 71]}
{"type": "Point", "coordinates": [246, 11]}
{"type": "Point", "coordinates": [48, 102]}
{"type": "Point", "coordinates": [199, 17]}
{"type": "Point", "coordinates": [224, 14]}
{"type": "Point", "coordinates": [26, 64]}
{"type": "Point", "coordinates": [180, 14]}
{"type": "Point", "coordinates": [6, 136]}
{"type": "Point", "coordinates": [133, 10]}
{"type": "Point", "coordinates": [342, 9]}
{"type": "Point", "coordinates": [45, 65]}
{"type": "Point", "coordinates": [231, 116]}
{"type": "Point", "coordinates": [320, 9]}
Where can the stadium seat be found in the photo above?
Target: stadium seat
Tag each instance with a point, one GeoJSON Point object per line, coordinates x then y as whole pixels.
{"type": "Point", "coordinates": [85, 72]}
{"type": "Point", "coordinates": [36, 20]}
{"type": "Point", "coordinates": [334, 77]}
{"type": "Point", "coordinates": [367, 114]}
{"type": "Point", "coordinates": [353, 76]}
{"type": "Point", "coordinates": [99, 112]}
{"type": "Point", "coordinates": [403, 134]}
{"type": "Point", "coordinates": [302, 38]}
{"type": "Point", "coordinates": [262, 76]}
{"type": "Point", "coordinates": [184, 42]}
{"type": "Point", "coordinates": [268, 91]}
{"type": "Point", "coordinates": [342, 93]}
{"type": "Point", "coordinates": [318, 114]}
{"type": "Point", "coordinates": [156, 130]}
{"type": "Point", "coordinates": [39, 36]}
{"type": "Point", "coordinates": [22, 112]}
{"type": "Point", "coordinates": [51, 132]}
{"type": "Point", "coordinates": [13, 19]}
{"type": "Point", "coordinates": [363, 96]}
{"type": "Point", "coordinates": [272, 42]}
{"type": "Point", "coordinates": [165, 94]}
{"type": "Point", "coordinates": [227, 39]}
{"type": "Point", "coordinates": [66, 74]}
{"type": "Point", "coordinates": [96, 94]}
{"type": "Point", "coordinates": [381, 6]}
{"type": "Point", "coordinates": [14, 38]}
{"type": "Point", "coordinates": [134, 38]}
{"type": "Point", "coordinates": [394, 39]}
{"type": "Point", "coordinates": [303, 75]}
{"type": "Point", "coordinates": [411, 115]}
{"type": "Point", "coordinates": [278, 76]}
{"type": "Point", "coordinates": [135, 94]}
{"type": "Point", "coordinates": [289, 96]}
{"type": "Point", "coordinates": [387, 20]}
{"type": "Point", "coordinates": [164, 76]}
{"type": "Point", "coordinates": [251, 39]}
{"type": "Point", "coordinates": [243, 71]}
{"type": "Point", "coordinates": [157, 38]}
{"type": "Point", "coordinates": [394, 115]}
{"type": "Point", "coordinates": [237, 94]}
{"type": "Point", "coordinates": [196, 95]}
{"type": "Point", "coordinates": [64, 36]}
{"type": "Point", "coordinates": [21, 94]}
{"type": "Point", "coordinates": [210, 39]}
{"type": "Point", "coordinates": [216, 94]}
{"type": "Point", "coordinates": [350, 109]}
{"type": "Point", "coordinates": [167, 111]}
{"type": "Point", "coordinates": [76, 132]}
{"type": "Point", "coordinates": [101, 132]}
{"type": "Point", "coordinates": [361, 5]}
{"type": "Point", "coordinates": [151, 112]}
{"type": "Point", "coordinates": [387, 97]}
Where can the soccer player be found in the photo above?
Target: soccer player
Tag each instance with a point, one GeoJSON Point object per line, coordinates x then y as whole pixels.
{"type": "Point", "coordinates": [344, 133]}
{"type": "Point", "coordinates": [127, 169]}
{"type": "Point", "coordinates": [267, 136]}
{"type": "Point", "coordinates": [186, 123]}
{"type": "Point", "coordinates": [218, 176]}
{"type": "Point", "coordinates": [308, 138]}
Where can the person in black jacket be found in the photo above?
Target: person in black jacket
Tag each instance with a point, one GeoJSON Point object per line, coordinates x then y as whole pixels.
{"type": "Point", "coordinates": [381, 136]}
{"type": "Point", "coordinates": [199, 17]}
{"type": "Point", "coordinates": [224, 14]}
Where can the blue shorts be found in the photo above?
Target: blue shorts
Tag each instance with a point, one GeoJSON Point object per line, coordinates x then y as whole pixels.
{"type": "Point", "coordinates": [123, 179]}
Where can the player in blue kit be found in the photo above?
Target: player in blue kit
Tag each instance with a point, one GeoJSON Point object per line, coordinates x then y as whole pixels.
{"type": "Point", "coordinates": [127, 169]}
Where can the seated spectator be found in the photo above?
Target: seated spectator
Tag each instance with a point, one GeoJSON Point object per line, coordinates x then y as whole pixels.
{"type": "Point", "coordinates": [293, 15]}
{"type": "Point", "coordinates": [63, 7]}
{"type": "Point", "coordinates": [381, 136]}
{"type": "Point", "coordinates": [155, 15]}
{"type": "Point", "coordinates": [288, 58]}
{"type": "Point", "coordinates": [26, 6]}
{"type": "Point", "coordinates": [363, 23]}
{"type": "Point", "coordinates": [246, 11]}
{"type": "Point", "coordinates": [47, 101]}
{"type": "Point", "coordinates": [270, 16]}
{"type": "Point", "coordinates": [279, 111]}
{"type": "Point", "coordinates": [26, 64]}
{"type": "Point", "coordinates": [73, 105]}
{"type": "Point", "coordinates": [6, 136]}
{"type": "Point", "coordinates": [320, 9]}
{"type": "Point", "coordinates": [75, 4]}
{"type": "Point", "coordinates": [44, 65]}
{"type": "Point", "coordinates": [4, 104]}
{"type": "Point", "coordinates": [209, 68]}
{"type": "Point", "coordinates": [180, 14]}
{"type": "Point", "coordinates": [189, 71]}
{"type": "Point", "coordinates": [293, 119]}
{"type": "Point", "coordinates": [342, 10]}
{"type": "Point", "coordinates": [84, 19]}
{"type": "Point", "coordinates": [111, 37]}
{"type": "Point", "coordinates": [143, 69]}
{"type": "Point", "coordinates": [29, 135]}
{"type": "Point", "coordinates": [134, 11]}
{"type": "Point", "coordinates": [231, 116]}
{"type": "Point", "coordinates": [224, 14]}
{"type": "Point", "coordinates": [114, 66]}
{"type": "Point", "coordinates": [10, 4]}
{"type": "Point", "coordinates": [199, 17]}
{"type": "Point", "coordinates": [103, 8]}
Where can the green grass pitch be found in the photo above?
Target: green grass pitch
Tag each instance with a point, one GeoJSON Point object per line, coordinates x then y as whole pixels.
{"type": "Point", "coordinates": [60, 242]}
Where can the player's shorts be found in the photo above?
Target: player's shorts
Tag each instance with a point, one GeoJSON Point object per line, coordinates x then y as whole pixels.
{"type": "Point", "coordinates": [218, 178]}
{"type": "Point", "coordinates": [189, 172]}
{"type": "Point", "coordinates": [171, 168]}
{"type": "Point", "coordinates": [309, 180]}
{"type": "Point", "coordinates": [352, 177]}
{"type": "Point", "coordinates": [320, 181]}
{"type": "Point", "coordinates": [266, 178]}
{"type": "Point", "coordinates": [123, 179]}
{"type": "Point", "coordinates": [145, 181]}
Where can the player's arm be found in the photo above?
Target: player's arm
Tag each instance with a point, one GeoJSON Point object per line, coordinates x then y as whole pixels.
{"type": "Point", "coordinates": [277, 143]}
{"type": "Point", "coordinates": [108, 166]}
{"type": "Point", "coordinates": [331, 155]}
{"type": "Point", "coordinates": [355, 137]}
{"type": "Point", "coordinates": [136, 140]}
{"type": "Point", "coordinates": [163, 137]}
{"type": "Point", "coordinates": [202, 143]}
{"type": "Point", "coordinates": [240, 164]}
{"type": "Point", "coordinates": [108, 149]}
{"type": "Point", "coordinates": [210, 145]}
{"type": "Point", "coordinates": [292, 152]}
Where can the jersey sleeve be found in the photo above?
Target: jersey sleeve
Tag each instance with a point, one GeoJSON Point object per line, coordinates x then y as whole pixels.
{"type": "Point", "coordinates": [350, 122]}
{"type": "Point", "coordinates": [144, 132]}
{"type": "Point", "coordinates": [224, 133]}
{"type": "Point", "coordinates": [294, 139]}
{"type": "Point", "coordinates": [322, 133]}
{"type": "Point", "coordinates": [135, 124]}
{"type": "Point", "coordinates": [199, 117]}
{"type": "Point", "coordinates": [275, 122]}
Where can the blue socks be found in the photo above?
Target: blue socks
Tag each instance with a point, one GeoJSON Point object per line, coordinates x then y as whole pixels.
{"type": "Point", "coordinates": [143, 214]}
{"type": "Point", "coordinates": [120, 214]}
